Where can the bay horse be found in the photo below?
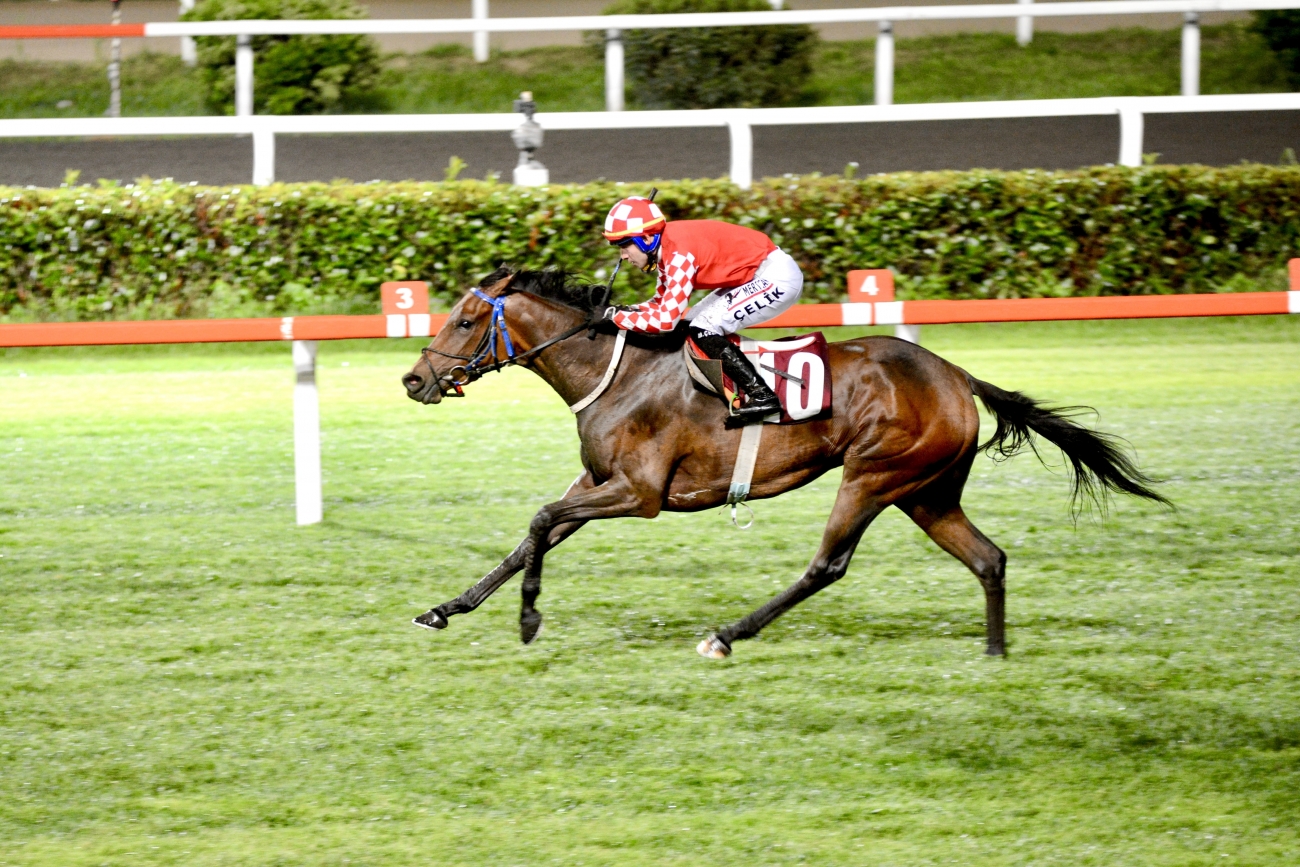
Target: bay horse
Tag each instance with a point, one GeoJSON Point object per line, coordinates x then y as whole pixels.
{"type": "Point", "coordinates": [904, 427]}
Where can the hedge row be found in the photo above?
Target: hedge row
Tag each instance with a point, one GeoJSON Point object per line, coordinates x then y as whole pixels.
{"type": "Point", "coordinates": [158, 249]}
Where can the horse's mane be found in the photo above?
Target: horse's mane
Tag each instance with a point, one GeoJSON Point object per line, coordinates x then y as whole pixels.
{"type": "Point", "coordinates": [554, 285]}
{"type": "Point", "coordinates": [590, 298]}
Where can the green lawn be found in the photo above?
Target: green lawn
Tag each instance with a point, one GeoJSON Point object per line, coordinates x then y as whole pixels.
{"type": "Point", "coordinates": [190, 679]}
{"type": "Point", "coordinates": [969, 66]}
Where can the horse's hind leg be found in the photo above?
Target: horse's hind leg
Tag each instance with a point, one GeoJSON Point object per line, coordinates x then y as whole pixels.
{"type": "Point", "coordinates": [856, 506]}
{"type": "Point", "coordinates": [952, 531]}
{"type": "Point", "coordinates": [436, 618]}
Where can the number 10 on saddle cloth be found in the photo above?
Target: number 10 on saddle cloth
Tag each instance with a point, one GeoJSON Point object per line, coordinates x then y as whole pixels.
{"type": "Point", "coordinates": [794, 367]}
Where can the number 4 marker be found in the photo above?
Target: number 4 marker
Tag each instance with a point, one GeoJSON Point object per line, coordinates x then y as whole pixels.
{"type": "Point", "coordinates": [876, 284]}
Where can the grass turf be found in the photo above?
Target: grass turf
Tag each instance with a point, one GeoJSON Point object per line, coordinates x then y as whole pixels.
{"type": "Point", "coordinates": [191, 679]}
{"type": "Point", "coordinates": [967, 66]}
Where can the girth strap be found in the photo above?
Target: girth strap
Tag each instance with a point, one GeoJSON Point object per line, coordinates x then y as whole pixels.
{"type": "Point", "coordinates": [743, 475]}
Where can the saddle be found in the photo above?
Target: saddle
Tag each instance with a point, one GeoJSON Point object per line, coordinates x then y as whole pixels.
{"type": "Point", "coordinates": [795, 368]}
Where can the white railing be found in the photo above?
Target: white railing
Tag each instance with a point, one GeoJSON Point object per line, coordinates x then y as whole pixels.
{"type": "Point", "coordinates": [739, 122]}
{"type": "Point", "coordinates": [1024, 11]}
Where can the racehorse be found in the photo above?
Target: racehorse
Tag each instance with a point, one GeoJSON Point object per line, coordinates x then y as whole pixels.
{"type": "Point", "coordinates": [904, 427]}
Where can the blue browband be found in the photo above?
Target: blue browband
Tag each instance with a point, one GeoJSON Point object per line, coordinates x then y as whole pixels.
{"type": "Point", "coordinates": [496, 326]}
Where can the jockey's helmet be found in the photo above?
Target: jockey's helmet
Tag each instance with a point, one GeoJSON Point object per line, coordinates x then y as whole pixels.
{"type": "Point", "coordinates": [631, 219]}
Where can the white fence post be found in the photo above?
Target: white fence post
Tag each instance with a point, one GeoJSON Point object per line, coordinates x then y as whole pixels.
{"type": "Point", "coordinates": [1025, 26]}
{"type": "Point", "coordinates": [885, 64]}
{"type": "Point", "coordinates": [189, 51]}
{"type": "Point", "coordinates": [910, 333]}
{"type": "Point", "coordinates": [742, 153]}
{"type": "Point", "coordinates": [614, 70]}
{"type": "Point", "coordinates": [243, 76]}
{"type": "Point", "coordinates": [306, 434]}
{"type": "Point", "coordinates": [481, 48]}
{"type": "Point", "coordinates": [1191, 54]}
{"type": "Point", "coordinates": [263, 156]}
{"type": "Point", "coordinates": [1130, 135]}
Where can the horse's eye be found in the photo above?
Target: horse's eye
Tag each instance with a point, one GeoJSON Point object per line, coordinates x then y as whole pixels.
{"type": "Point", "coordinates": [464, 323]}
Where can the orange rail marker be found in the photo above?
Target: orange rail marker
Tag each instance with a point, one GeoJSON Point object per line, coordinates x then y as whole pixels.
{"type": "Point", "coordinates": [801, 316]}
{"type": "Point", "coordinates": [71, 31]}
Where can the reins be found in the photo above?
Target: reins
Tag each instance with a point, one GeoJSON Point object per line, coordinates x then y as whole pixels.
{"type": "Point", "coordinates": [488, 347]}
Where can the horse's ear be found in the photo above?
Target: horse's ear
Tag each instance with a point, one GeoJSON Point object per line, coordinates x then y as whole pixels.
{"type": "Point", "coordinates": [497, 282]}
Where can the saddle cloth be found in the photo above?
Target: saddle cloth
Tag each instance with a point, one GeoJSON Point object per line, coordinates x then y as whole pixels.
{"type": "Point", "coordinates": [796, 368]}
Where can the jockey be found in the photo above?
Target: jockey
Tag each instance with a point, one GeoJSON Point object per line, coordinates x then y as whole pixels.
{"type": "Point", "coordinates": [750, 279]}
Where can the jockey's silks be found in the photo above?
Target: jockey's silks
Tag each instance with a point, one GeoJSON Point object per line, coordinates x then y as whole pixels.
{"type": "Point", "coordinates": [696, 254]}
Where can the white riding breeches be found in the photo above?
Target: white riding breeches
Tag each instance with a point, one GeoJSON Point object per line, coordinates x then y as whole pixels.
{"type": "Point", "coordinates": [775, 288]}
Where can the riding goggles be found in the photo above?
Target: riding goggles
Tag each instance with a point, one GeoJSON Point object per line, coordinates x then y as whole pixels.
{"type": "Point", "coordinates": [641, 243]}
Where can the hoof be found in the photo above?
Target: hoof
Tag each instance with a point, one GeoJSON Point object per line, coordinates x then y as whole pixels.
{"type": "Point", "coordinates": [431, 620]}
{"type": "Point", "coordinates": [530, 623]}
{"type": "Point", "coordinates": [713, 647]}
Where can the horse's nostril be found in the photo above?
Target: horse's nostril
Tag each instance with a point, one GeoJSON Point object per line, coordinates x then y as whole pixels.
{"type": "Point", "coordinates": [413, 382]}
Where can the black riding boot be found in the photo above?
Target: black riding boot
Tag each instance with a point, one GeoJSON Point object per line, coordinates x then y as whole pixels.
{"type": "Point", "coordinates": [759, 400]}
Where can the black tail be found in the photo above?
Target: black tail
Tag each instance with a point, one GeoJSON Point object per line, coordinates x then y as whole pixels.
{"type": "Point", "coordinates": [1098, 462]}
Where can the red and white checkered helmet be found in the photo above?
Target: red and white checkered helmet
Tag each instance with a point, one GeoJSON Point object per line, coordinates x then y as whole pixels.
{"type": "Point", "coordinates": [635, 215]}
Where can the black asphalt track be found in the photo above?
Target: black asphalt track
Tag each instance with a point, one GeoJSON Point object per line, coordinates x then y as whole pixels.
{"type": "Point", "coordinates": [1220, 138]}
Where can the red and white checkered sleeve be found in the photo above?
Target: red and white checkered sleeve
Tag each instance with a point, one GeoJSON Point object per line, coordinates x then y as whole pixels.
{"type": "Point", "coordinates": [673, 295]}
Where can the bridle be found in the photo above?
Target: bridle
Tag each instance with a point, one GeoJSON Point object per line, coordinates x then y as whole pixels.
{"type": "Point", "coordinates": [489, 348]}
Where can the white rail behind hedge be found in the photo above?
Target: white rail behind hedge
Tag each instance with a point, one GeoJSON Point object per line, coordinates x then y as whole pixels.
{"type": "Point", "coordinates": [480, 26]}
{"type": "Point", "coordinates": [739, 122]}
{"type": "Point", "coordinates": [613, 26]}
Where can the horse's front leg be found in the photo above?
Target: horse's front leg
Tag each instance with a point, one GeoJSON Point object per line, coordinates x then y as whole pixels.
{"type": "Point", "coordinates": [617, 498]}
{"type": "Point", "coordinates": [436, 618]}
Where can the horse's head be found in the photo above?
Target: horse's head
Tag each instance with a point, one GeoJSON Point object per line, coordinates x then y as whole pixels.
{"type": "Point", "coordinates": [477, 337]}
{"type": "Point", "coordinates": [445, 364]}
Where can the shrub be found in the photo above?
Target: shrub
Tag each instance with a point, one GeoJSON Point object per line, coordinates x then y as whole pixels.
{"type": "Point", "coordinates": [1280, 29]}
{"type": "Point", "coordinates": [291, 74]}
{"type": "Point", "coordinates": [716, 67]}
{"type": "Point", "coordinates": [161, 249]}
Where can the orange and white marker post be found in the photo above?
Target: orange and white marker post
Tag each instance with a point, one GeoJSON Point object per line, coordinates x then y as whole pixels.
{"type": "Point", "coordinates": [871, 302]}
{"type": "Point", "coordinates": [406, 307]}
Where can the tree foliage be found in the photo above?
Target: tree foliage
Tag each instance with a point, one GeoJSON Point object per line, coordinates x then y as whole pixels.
{"type": "Point", "coordinates": [1280, 29]}
{"type": "Point", "coordinates": [154, 250]}
{"type": "Point", "coordinates": [291, 74]}
{"type": "Point", "coordinates": [716, 67]}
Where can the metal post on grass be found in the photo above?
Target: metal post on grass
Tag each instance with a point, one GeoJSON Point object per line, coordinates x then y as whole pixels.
{"type": "Point", "coordinates": [189, 51]}
{"type": "Point", "coordinates": [1130, 135]}
{"type": "Point", "coordinates": [1191, 54]}
{"type": "Point", "coordinates": [885, 64]}
{"type": "Point", "coordinates": [306, 434]}
{"type": "Point", "coordinates": [115, 67]}
{"type": "Point", "coordinates": [614, 70]}
{"type": "Point", "coordinates": [481, 48]}
{"type": "Point", "coordinates": [243, 76]}
{"type": "Point", "coordinates": [1025, 26]}
{"type": "Point", "coordinates": [742, 153]}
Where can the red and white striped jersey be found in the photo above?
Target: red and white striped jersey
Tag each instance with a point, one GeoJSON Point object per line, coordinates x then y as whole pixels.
{"type": "Point", "coordinates": [696, 254]}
